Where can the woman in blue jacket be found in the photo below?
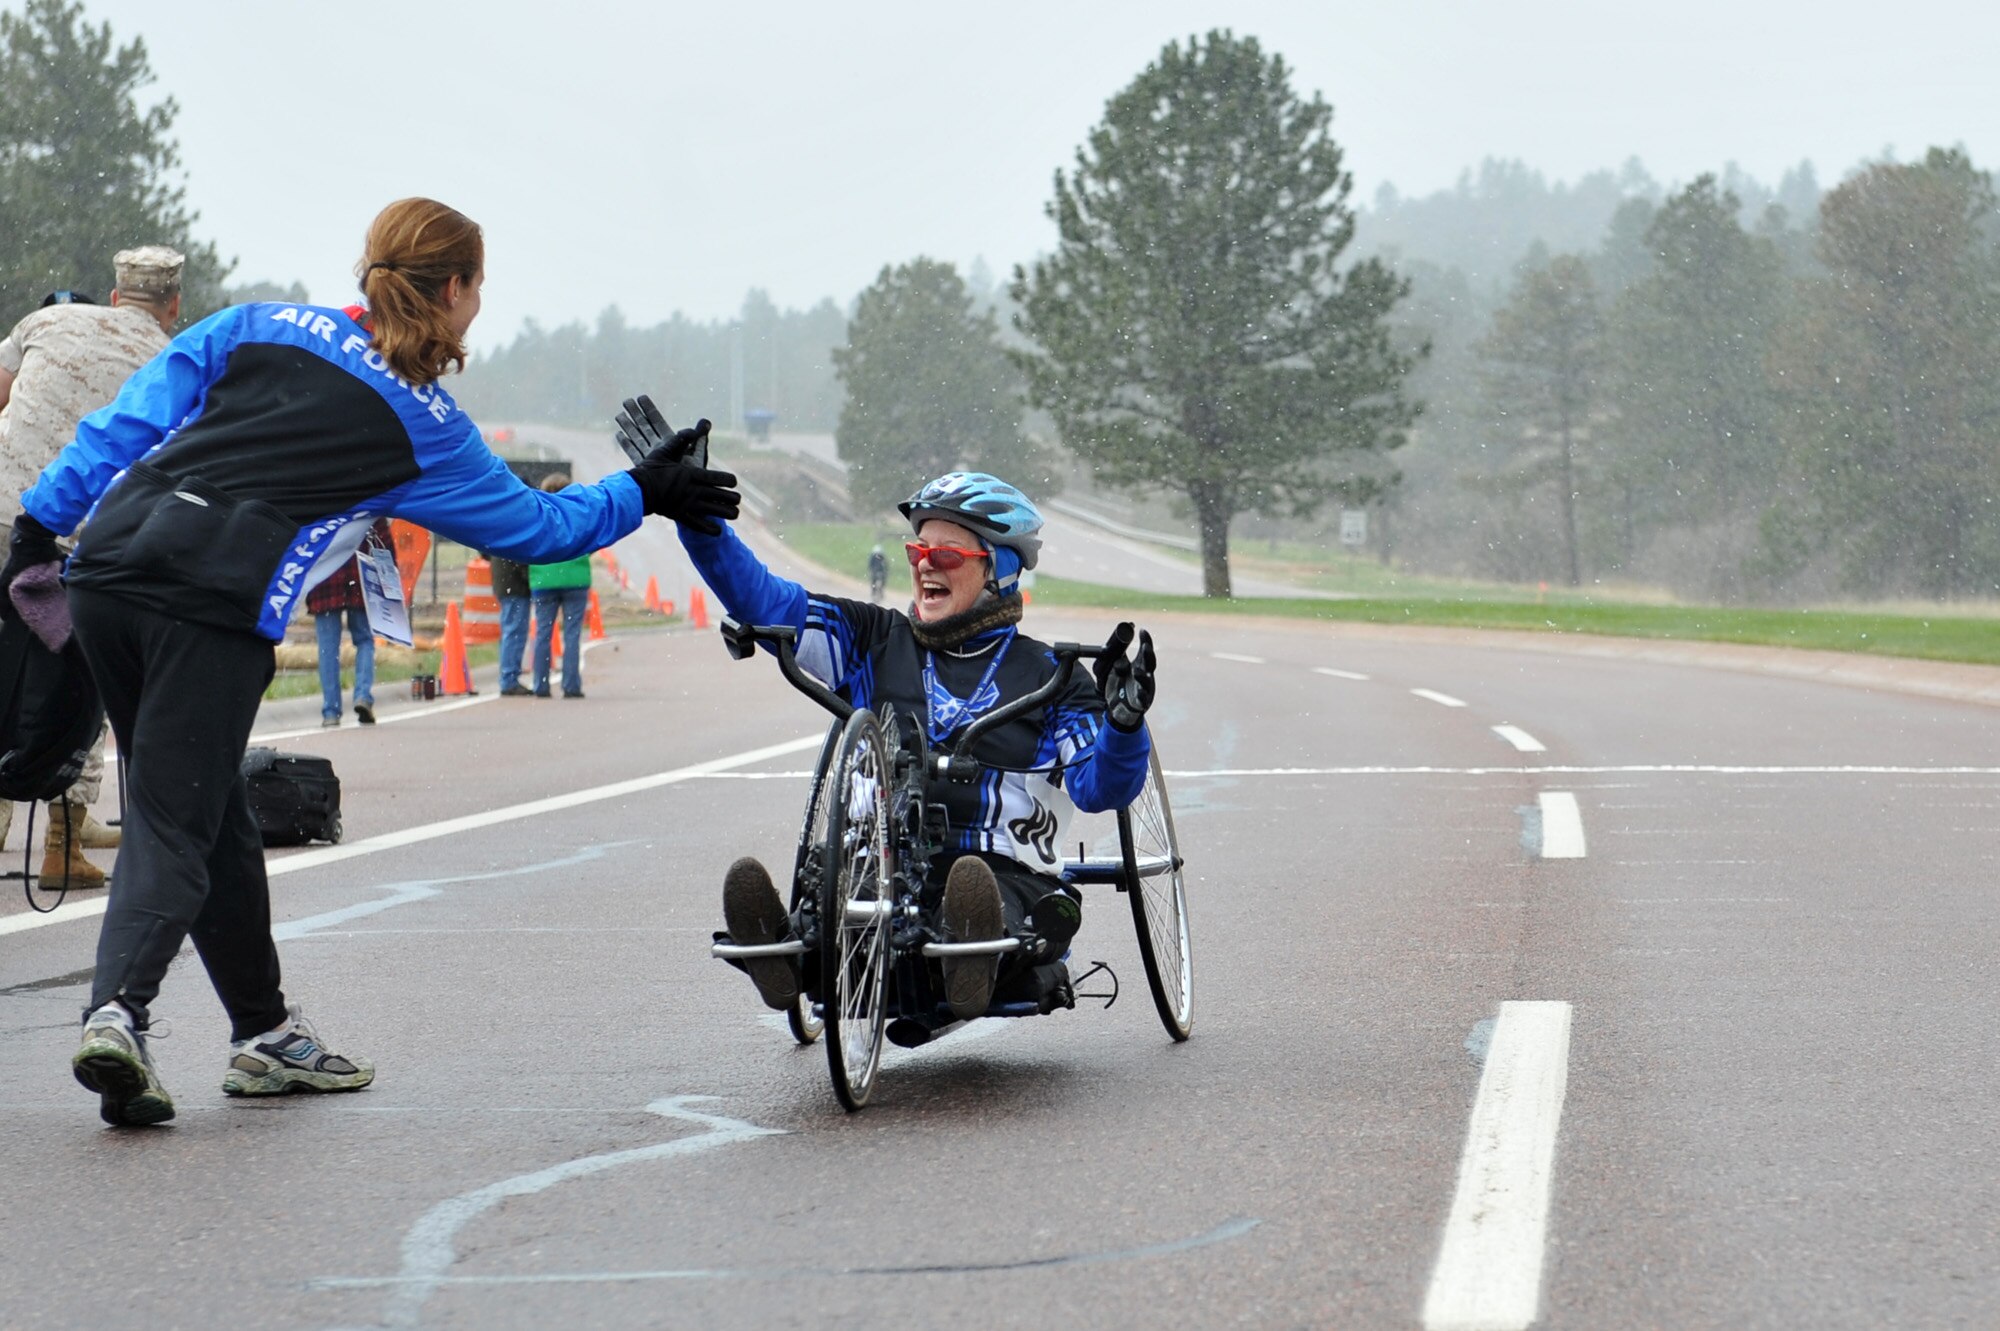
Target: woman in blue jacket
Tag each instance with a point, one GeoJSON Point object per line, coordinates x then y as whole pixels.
{"type": "Point", "coordinates": [236, 469]}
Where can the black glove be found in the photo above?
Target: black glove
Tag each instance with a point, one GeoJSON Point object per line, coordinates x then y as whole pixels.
{"type": "Point", "coordinates": [31, 545]}
{"type": "Point", "coordinates": [646, 437]}
{"type": "Point", "coordinates": [686, 493]}
{"type": "Point", "coordinates": [1112, 657]}
{"type": "Point", "coordinates": [1128, 685]}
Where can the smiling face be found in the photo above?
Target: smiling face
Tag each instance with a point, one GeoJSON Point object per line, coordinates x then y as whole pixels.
{"type": "Point", "coordinates": [940, 593]}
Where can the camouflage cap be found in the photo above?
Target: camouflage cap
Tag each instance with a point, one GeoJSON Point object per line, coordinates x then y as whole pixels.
{"type": "Point", "coordinates": [149, 270]}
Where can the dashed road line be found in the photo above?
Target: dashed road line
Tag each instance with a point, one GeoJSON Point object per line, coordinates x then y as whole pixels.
{"type": "Point", "coordinates": [1520, 739]}
{"type": "Point", "coordinates": [1489, 1269]}
{"type": "Point", "coordinates": [1442, 699]}
{"type": "Point", "coordinates": [1238, 656]}
{"type": "Point", "coordinates": [1338, 674]}
{"type": "Point", "coordinates": [1562, 826]}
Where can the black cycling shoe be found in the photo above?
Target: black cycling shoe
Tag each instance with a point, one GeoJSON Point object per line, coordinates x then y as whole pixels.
{"type": "Point", "coordinates": [1055, 920]}
{"type": "Point", "coordinates": [754, 915]}
{"type": "Point", "coordinates": [970, 914]}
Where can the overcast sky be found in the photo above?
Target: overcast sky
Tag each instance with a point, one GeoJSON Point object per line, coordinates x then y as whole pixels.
{"type": "Point", "coordinates": [671, 156]}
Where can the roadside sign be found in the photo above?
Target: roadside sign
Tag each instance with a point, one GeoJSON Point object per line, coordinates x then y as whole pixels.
{"type": "Point", "coordinates": [1353, 526]}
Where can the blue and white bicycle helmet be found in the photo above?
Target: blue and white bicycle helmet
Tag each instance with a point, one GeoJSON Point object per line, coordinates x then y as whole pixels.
{"type": "Point", "coordinates": [1003, 518]}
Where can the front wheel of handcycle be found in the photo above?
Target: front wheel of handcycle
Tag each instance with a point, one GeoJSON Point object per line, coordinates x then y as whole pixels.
{"type": "Point", "coordinates": [856, 908]}
{"type": "Point", "coordinates": [1159, 900]}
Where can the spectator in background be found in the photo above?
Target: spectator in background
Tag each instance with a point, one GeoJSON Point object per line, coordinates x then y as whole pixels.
{"type": "Point", "coordinates": [511, 589]}
{"type": "Point", "coordinates": [878, 573]}
{"type": "Point", "coordinates": [337, 603]}
{"type": "Point", "coordinates": [58, 365]}
{"type": "Point", "coordinates": [563, 587]}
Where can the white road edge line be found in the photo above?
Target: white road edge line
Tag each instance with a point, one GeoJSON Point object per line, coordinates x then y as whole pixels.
{"type": "Point", "coordinates": [1338, 674]}
{"type": "Point", "coordinates": [1489, 1269]}
{"type": "Point", "coordinates": [1552, 769]}
{"type": "Point", "coordinates": [1520, 739]}
{"type": "Point", "coordinates": [410, 836]}
{"type": "Point", "coordinates": [1442, 699]}
{"type": "Point", "coordinates": [349, 723]}
{"type": "Point", "coordinates": [1237, 656]}
{"type": "Point", "coordinates": [1562, 826]}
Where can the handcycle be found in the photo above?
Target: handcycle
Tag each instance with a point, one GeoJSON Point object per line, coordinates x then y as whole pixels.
{"type": "Point", "coordinates": [866, 943]}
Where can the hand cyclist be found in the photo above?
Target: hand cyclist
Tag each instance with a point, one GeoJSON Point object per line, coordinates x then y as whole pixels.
{"type": "Point", "coordinates": [954, 655]}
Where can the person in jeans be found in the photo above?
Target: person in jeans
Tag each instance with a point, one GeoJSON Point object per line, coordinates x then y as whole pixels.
{"type": "Point", "coordinates": [560, 588]}
{"type": "Point", "coordinates": [336, 604]}
{"type": "Point", "coordinates": [510, 588]}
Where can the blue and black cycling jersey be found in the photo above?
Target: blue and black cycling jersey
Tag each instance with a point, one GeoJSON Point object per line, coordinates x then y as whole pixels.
{"type": "Point", "coordinates": [248, 459]}
{"type": "Point", "coordinates": [1064, 756]}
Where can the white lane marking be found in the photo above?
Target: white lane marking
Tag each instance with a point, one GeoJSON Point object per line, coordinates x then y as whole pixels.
{"type": "Point", "coordinates": [1520, 739]}
{"type": "Point", "coordinates": [430, 1247]}
{"type": "Point", "coordinates": [1668, 769]}
{"type": "Point", "coordinates": [1338, 674]}
{"type": "Point", "coordinates": [410, 836]}
{"type": "Point", "coordinates": [1237, 656]}
{"type": "Point", "coordinates": [1562, 826]}
{"type": "Point", "coordinates": [1442, 699]}
{"type": "Point", "coordinates": [349, 723]}
{"type": "Point", "coordinates": [1489, 1270]}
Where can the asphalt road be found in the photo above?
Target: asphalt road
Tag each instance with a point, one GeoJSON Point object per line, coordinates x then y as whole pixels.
{"type": "Point", "coordinates": [1741, 1077]}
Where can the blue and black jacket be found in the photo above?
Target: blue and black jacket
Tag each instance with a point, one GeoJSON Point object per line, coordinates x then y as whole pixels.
{"type": "Point", "coordinates": [248, 459]}
{"type": "Point", "coordinates": [1065, 755]}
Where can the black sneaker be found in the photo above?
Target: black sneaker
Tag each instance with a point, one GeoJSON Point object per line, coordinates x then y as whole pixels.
{"type": "Point", "coordinates": [114, 1062]}
{"type": "Point", "coordinates": [754, 915]}
{"type": "Point", "coordinates": [364, 712]}
{"type": "Point", "coordinates": [970, 914]}
{"type": "Point", "coordinates": [517, 691]}
{"type": "Point", "coordinates": [297, 1061]}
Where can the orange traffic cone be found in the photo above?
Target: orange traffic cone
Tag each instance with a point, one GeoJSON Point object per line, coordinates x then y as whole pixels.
{"type": "Point", "coordinates": [697, 608]}
{"type": "Point", "coordinates": [593, 618]}
{"type": "Point", "coordinates": [667, 609]}
{"type": "Point", "coordinates": [652, 593]}
{"type": "Point", "coordinates": [453, 675]}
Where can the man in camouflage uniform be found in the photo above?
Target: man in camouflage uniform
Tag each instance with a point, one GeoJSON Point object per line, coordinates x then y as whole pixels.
{"type": "Point", "coordinates": [58, 365]}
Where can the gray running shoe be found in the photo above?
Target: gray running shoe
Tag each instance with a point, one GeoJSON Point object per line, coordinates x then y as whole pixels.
{"type": "Point", "coordinates": [754, 914]}
{"type": "Point", "coordinates": [970, 914]}
{"type": "Point", "coordinates": [298, 1061]}
{"type": "Point", "coordinates": [114, 1062]}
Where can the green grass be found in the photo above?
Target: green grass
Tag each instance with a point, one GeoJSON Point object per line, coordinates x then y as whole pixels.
{"type": "Point", "coordinates": [844, 546]}
{"type": "Point", "coordinates": [1935, 637]}
{"type": "Point", "coordinates": [1386, 596]}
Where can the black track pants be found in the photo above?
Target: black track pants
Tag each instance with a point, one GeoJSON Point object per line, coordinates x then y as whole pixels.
{"type": "Point", "coordinates": [181, 698]}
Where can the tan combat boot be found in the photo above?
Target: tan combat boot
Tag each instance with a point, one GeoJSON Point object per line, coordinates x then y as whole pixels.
{"type": "Point", "coordinates": [90, 834]}
{"type": "Point", "coordinates": [63, 863]}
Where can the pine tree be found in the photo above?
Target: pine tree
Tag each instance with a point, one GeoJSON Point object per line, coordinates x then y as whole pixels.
{"type": "Point", "coordinates": [1543, 357]}
{"type": "Point", "coordinates": [84, 172]}
{"type": "Point", "coordinates": [929, 388]}
{"type": "Point", "coordinates": [1192, 330]}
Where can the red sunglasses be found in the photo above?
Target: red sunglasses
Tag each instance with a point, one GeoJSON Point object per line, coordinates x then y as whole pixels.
{"type": "Point", "coordinates": [944, 558]}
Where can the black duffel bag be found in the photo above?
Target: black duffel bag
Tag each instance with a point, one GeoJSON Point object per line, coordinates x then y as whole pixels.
{"type": "Point", "coordinates": [49, 715]}
{"type": "Point", "coordinates": [295, 796]}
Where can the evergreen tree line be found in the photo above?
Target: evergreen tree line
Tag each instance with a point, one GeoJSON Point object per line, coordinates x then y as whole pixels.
{"type": "Point", "coordinates": [1735, 403]}
{"type": "Point", "coordinates": [577, 374]}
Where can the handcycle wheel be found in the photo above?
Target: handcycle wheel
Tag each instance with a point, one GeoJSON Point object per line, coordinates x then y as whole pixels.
{"type": "Point", "coordinates": [808, 865]}
{"type": "Point", "coordinates": [1159, 900]}
{"type": "Point", "coordinates": [855, 905]}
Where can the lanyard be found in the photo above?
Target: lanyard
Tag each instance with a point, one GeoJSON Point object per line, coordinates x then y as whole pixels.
{"type": "Point", "coordinates": [947, 711]}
